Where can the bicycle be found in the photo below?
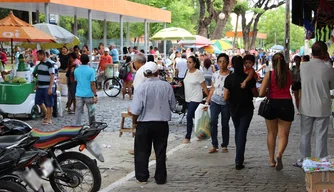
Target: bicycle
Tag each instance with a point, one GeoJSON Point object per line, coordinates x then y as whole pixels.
{"type": "Point", "coordinates": [112, 85]}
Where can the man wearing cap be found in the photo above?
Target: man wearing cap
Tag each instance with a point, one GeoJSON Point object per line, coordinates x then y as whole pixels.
{"type": "Point", "coordinates": [152, 104]}
{"type": "Point", "coordinates": [104, 59]}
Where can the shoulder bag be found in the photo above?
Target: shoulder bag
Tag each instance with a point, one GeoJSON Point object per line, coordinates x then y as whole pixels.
{"type": "Point", "coordinates": [266, 109]}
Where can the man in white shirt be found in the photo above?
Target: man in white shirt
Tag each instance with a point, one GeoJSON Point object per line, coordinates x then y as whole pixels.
{"type": "Point", "coordinates": [181, 67]}
{"type": "Point", "coordinates": [317, 79]}
{"type": "Point", "coordinates": [139, 60]}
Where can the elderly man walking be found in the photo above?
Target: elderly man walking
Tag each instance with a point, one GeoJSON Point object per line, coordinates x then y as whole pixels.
{"type": "Point", "coordinates": [152, 105]}
{"type": "Point", "coordinates": [317, 79]}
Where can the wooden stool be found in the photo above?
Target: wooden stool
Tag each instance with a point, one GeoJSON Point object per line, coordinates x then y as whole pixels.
{"type": "Point", "coordinates": [127, 129]}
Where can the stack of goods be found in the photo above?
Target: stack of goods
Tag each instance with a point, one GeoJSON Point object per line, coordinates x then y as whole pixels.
{"type": "Point", "coordinates": [318, 165]}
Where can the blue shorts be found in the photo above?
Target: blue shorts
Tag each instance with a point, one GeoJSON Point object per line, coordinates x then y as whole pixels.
{"type": "Point", "coordinates": [42, 96]}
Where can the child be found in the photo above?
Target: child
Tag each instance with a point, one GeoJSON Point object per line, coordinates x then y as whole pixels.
{"type": "Point", "coordinates": [249, 61]}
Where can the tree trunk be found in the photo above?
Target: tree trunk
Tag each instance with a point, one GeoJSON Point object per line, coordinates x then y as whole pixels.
{"type": "Point", "coordinates": [255, 31]}
{"type": "Point", "coordinates": [245, 31]}
{"type": "Point", "coordinates": [204, 21]}
{"type": "Point", "coordinates": [221, 23]}
{"type": "Point", "coordinates": [235, 32]}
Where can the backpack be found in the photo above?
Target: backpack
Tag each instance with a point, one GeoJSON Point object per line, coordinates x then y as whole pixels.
{"type": "Point", "coordinates": [123, 71]}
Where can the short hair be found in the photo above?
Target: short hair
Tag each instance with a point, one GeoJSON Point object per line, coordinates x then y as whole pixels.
{"type": "Point", "coordinates": [249, 58]}
{"type": "Point", "coordinates": [128, 59]}
{"type": "Point", "coordinates": [319, 48]}
{"type": "Point", "coordinates": [47, 54]}
{"type": "Point", "coordinates": [150, 58]}
{"type": "Point", "coordinates": [223, 55]}
{"type": "Point", "coordinates": [41, 52]}
{"type": "Point", "coordinates": [64, 47]}
{"type": "Point", "coordinates": [74, 55]}
{"type": "Point", "coordinates": [84, 59]}
{"type": "Point", "coordinates": [297, 57]}
{"type": "Point", "coordinates": [184, 56]}
{"type": "Point", "coordinates": [140, 58]}
{"type": "Point", "coordinates": [135, 47]}
{"type": "Point", "coordinates": [306, 58]}
{"type": "Point", "coordinates": [192, 49]}
{"type": "Point", "coordinates": [76, 47]}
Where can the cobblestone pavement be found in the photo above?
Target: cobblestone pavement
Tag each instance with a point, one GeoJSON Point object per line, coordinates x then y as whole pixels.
{"type": "Point", "coordinates": [193, 169]}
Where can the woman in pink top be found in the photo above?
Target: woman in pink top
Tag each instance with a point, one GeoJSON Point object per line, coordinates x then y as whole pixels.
{"type": "Point", "coordinates": [283, 109]}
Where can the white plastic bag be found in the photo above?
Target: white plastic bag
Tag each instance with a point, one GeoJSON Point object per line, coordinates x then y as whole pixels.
{"type": "Point", "coordinates": [198, 115]}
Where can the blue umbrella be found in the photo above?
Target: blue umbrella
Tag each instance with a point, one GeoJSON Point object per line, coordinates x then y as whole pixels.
{"type": "Point", "coordinates": [277, 47]}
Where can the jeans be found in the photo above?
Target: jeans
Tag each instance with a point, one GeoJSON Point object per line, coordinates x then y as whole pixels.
{"type": "Point", "coordinates": [146, 134]}
{"type": "Point", "coordinates": [208, 81]}
{"type": "Point", "coordinates": [80, 102]}
{"type": "Point", "coordinates": [192, 106]}
{"type": "Point", "coordinates": [241, 123]}
{"type": "Point", "coordinates": [215, 110]}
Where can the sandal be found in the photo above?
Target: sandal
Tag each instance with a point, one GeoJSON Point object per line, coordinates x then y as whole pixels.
{"type": "Point", "coordinates": [224, 150]}
{"type": "Point", "coordinates": [47, 123]}
{"type": "Point", "coordinates": [279, 165]}
{"type": "Point", "coordinates": [186, 141]}
{"type": "Point", "coordinates": [272, 164]}
{"type": "Point", "coordinates": [213, 150]}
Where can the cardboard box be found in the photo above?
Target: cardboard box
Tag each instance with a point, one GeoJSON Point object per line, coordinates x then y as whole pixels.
{"type": "Point", "coordinates": [319, 181]}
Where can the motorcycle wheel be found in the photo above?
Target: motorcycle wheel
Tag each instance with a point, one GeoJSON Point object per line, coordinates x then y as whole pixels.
{"type": "Point", "coordinates": [74, 170]}
{"type": "Point", "coordinates": [8, 186]}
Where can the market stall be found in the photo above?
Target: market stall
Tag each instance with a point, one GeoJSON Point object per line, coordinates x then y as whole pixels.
{"type": "Point", "coordinates": [17, 93]}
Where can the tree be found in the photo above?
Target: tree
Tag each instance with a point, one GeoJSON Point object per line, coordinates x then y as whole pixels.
{"type": "Point", "coordinates": [238, 9]}
{"type": "Point", "coordinates": [209, 11]}
{"type": "Point", "coordinates": [256, 10]}
{"type": "Point", "coordinates": [272, 22]}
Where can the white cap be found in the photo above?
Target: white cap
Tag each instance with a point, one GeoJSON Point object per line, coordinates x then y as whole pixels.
{"type": "Point", "coordinates": [150, 67]}
{"type": "Point", "coordinates": [106, 49]}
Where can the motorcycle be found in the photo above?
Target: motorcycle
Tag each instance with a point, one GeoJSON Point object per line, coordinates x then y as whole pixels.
{"type": "Point", "coordinates": [14, 159]}
{"type": "Point", "coordinates": [65, 174]}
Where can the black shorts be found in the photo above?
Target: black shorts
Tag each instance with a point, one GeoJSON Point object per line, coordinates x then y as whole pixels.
{"type": "Point", "coordinates": [73, 89]}
{"type": "Point", "coordinates": [283, 109]}
{"type": "Point", "coordinates": [296, 86]}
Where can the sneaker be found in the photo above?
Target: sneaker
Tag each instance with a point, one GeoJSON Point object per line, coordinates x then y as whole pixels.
{"type": "Point", "coordinates": [186, 141]}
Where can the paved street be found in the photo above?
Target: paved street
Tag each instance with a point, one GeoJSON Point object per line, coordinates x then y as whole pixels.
{"type": "Point", "coordinates": [190, 167]}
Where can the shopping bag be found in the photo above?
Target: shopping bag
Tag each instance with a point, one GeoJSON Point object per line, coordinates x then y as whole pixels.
{"type": "Point", "coordinates": [202, 130]}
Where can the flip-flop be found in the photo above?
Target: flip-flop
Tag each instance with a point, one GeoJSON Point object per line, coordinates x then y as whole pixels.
{"type": "Point", "coordinates": [279, 165]}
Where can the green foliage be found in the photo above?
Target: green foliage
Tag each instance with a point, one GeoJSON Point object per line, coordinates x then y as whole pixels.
{"type": "Point", "coordinates": [273, 22]}
{"type": "Point", "coordinates": [240, 7]}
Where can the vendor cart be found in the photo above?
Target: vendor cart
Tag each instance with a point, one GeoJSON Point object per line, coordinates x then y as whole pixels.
{"type": "Point", "coordinates": [16, 98]}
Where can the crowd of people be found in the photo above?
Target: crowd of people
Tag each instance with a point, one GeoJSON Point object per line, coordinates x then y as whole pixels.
{"type": "Point", "coordinates": [229, 84]}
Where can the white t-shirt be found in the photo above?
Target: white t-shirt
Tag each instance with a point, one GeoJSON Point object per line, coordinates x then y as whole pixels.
{"type": "Point", "coordinates": [192, 86]}
{"type": "Point", "coordinates": [181, 65]}
{"type": "Point", "coordinates": [139, 77]}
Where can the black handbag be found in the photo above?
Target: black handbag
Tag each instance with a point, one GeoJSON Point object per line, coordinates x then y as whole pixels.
{"type": "Point", "coordinates": [266, 109]}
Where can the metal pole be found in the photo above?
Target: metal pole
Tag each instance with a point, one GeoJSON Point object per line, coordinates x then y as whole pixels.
{"type": "Point", "coordinates": [47, 13]}
{"type": "Point", "coordinates": [121, 35]}
{"type": "Point", "coordinates": [128, 34]}
{"type": "Point", "coordinates": [37, 16]}
{"type": "Point", "coordinates": [287, 32]}
{"type": "Point", "coordinates": [165, 45]}
{"type": "Point", "coordinates": [105, 32]}
{"type": "Point", "coordinates": [75, 30]}
{"type": "Point", "coordinates": [30, 17]}
{"type": "Point", "coordinates": [145, 36]}
{"type": "Point", "coordinates": [90, 36]}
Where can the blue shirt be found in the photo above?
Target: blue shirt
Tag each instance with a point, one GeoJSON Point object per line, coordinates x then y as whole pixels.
{"type": "Point", "coordinates": [84, 75]}
{"type": "Point", "coordinates": [114, 54]}
{"type": "Point", "coordinates": [153, 101]}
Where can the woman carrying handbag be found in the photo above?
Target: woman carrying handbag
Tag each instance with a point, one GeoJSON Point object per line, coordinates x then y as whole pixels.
{"type": "Point", "coordinates": [277, 109]}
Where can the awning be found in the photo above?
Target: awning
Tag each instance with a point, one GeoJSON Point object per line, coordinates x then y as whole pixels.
{"type": "Point", "coordinates": [102, 9]}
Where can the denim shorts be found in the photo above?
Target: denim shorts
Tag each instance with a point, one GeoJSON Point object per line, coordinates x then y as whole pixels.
{"type": "Point", "coordinates": [42, 96]}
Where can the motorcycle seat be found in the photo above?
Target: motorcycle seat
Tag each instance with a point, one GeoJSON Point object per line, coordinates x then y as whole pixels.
{"type": "Point", "coordinates": [8, 140]}
{"type": "Point", "coordinates": [49, 139]}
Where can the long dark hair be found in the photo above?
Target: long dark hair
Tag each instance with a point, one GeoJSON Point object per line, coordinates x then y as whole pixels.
{"type": "Point", "coordinates": [280, 69]}
{"type": "Point", "coordinates": [238, 65]}
{"type": "Point", "coordinates": [196, 61]}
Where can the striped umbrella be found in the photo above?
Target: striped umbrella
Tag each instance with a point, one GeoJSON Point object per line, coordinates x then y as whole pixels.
{"type": "Point", "coordinates": [222, 44]}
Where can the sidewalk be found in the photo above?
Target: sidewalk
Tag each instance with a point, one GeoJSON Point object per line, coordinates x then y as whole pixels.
{"type": "Point", "coordinates": [191, 168]}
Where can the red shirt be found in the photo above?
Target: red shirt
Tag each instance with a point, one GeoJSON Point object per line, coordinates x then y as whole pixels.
{"type": "Point", "coordinates": [105, 59]}
{"type": "Point", "coordinates": [280, 93]}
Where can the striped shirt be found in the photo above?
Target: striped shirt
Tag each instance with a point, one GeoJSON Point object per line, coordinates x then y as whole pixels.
{"type": "Point", "coordinates": [44, 71]}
